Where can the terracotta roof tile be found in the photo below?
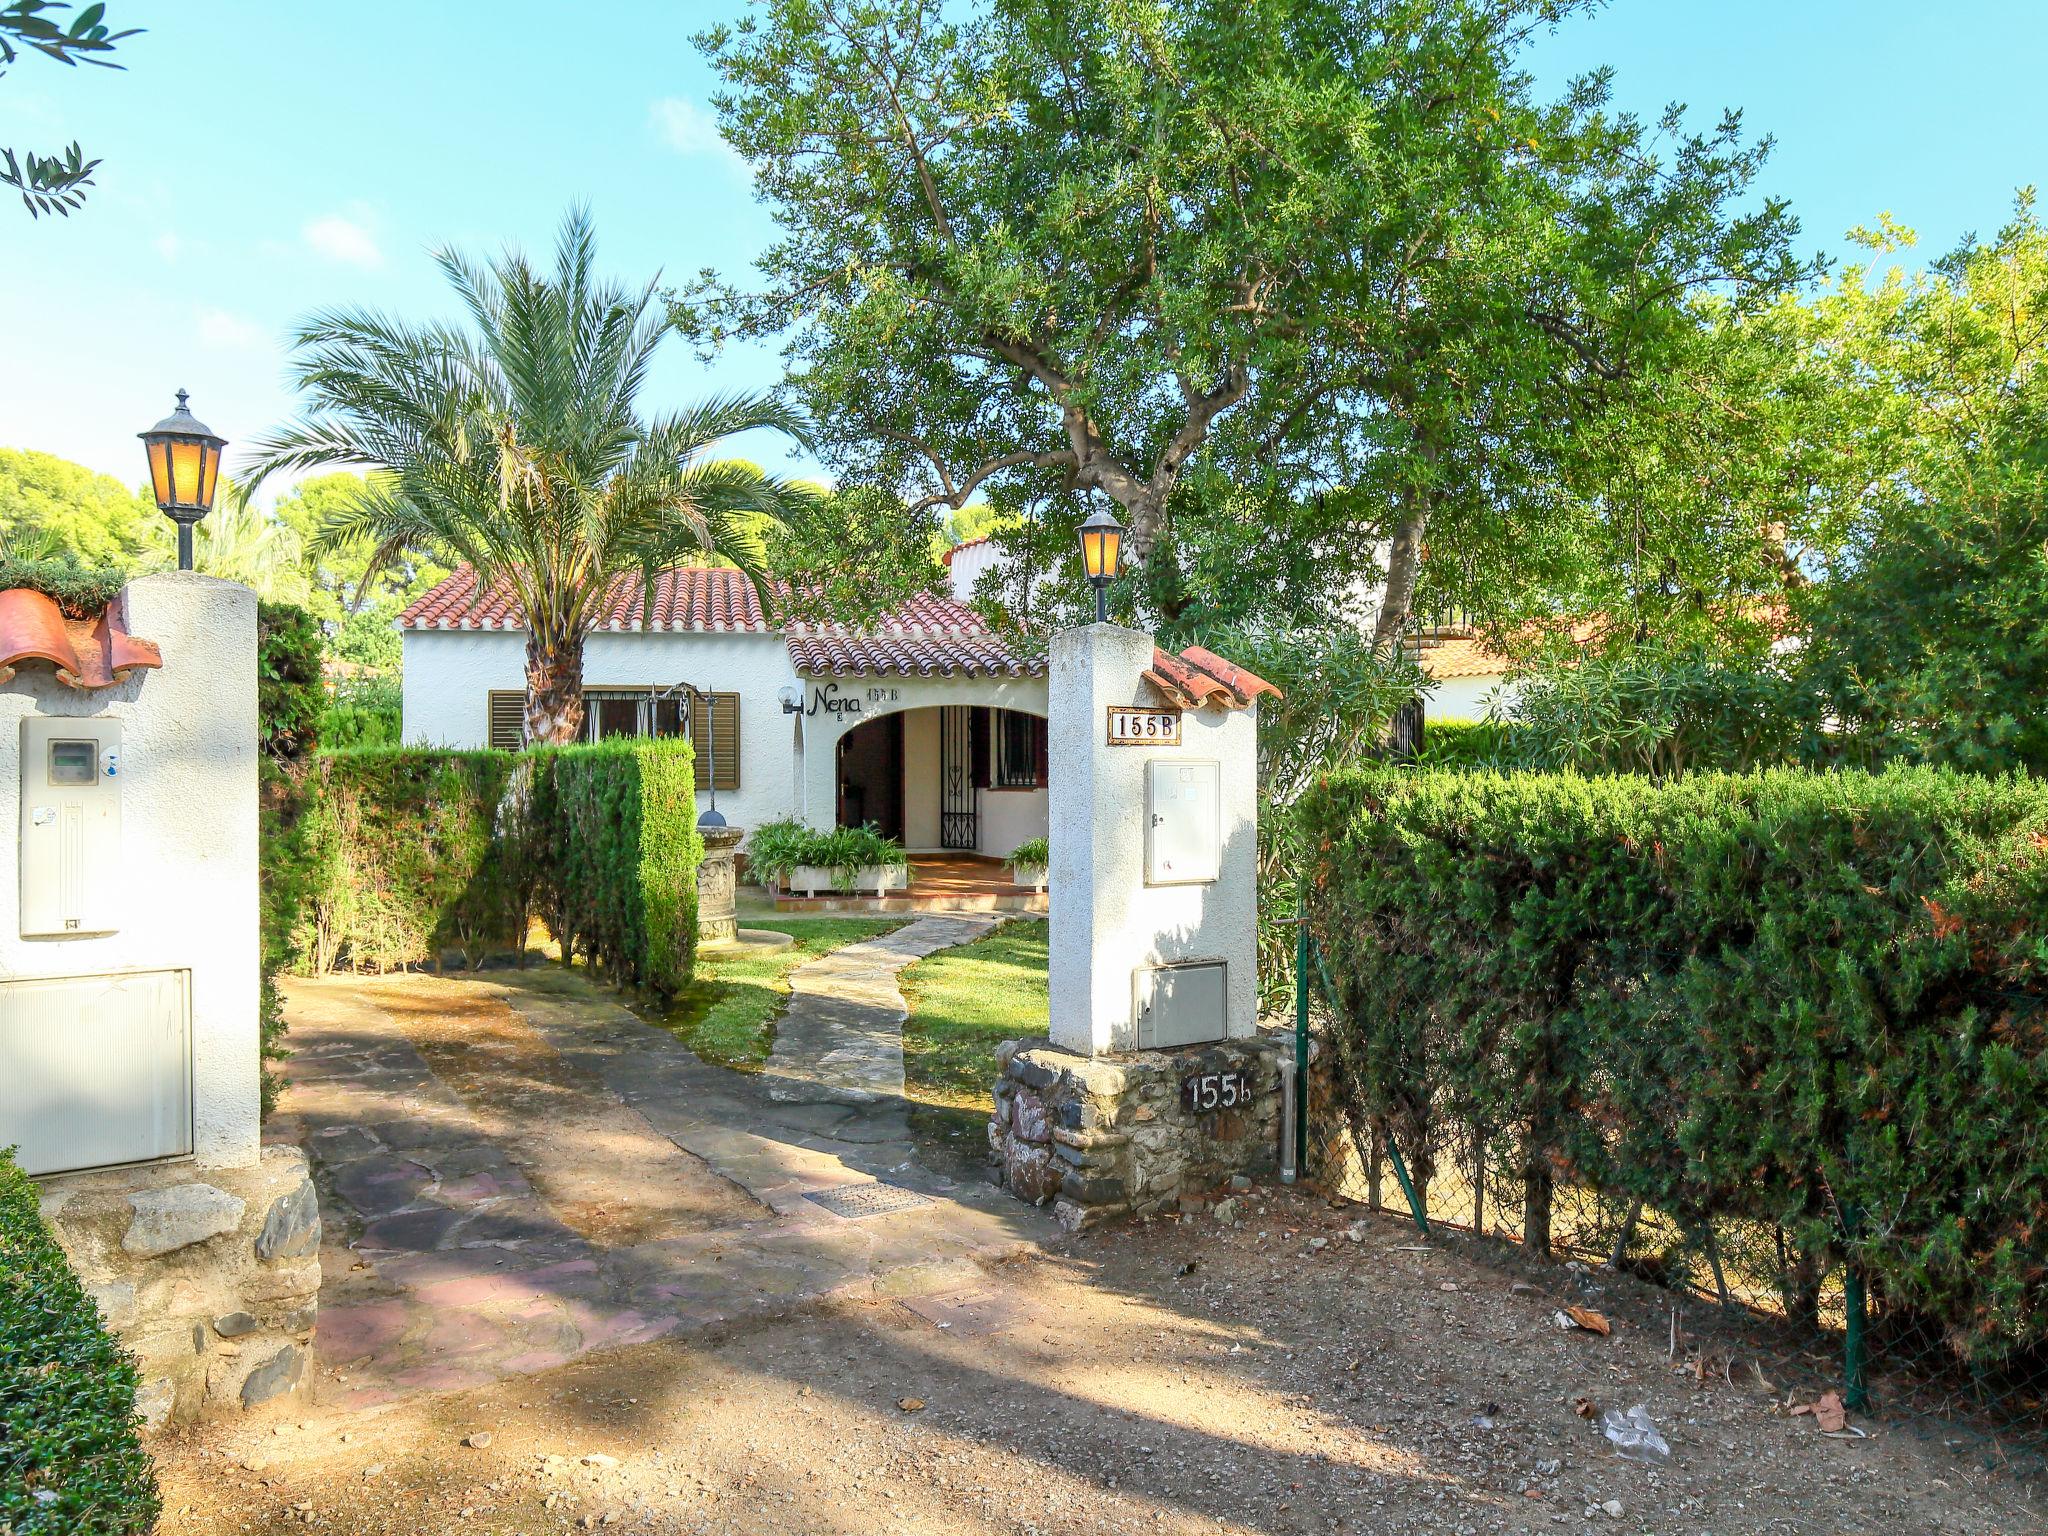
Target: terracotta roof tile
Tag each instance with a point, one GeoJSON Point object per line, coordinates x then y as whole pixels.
{"type": "Point", "coordinates": [1197, 678]}
{"type": "Point", "coordinates": [86, 653]}
{"type": "Point", "coordinates": [928, 636]}
{"type": "Point", "coordinates": [1461, 656]}
{"type": "Point", "coordinates": [687, 598]}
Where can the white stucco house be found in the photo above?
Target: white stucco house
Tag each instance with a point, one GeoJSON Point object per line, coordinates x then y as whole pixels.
{"type": "Point", "coordinates": [930, 728]}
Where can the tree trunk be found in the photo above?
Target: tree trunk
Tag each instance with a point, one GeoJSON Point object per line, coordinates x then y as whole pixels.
{"type": "Point", "coordinates": [1404, 565]}
{"type": "Point", "coordinates": [554, 689]}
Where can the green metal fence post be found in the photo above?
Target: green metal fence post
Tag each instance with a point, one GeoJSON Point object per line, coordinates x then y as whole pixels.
{"type": "Point", "coordinates": [1301, 1036]}
{"type": "Point", "coordinates": [1415, 1206]}
{"type": "Point", "coordinates": [1855, 1332]}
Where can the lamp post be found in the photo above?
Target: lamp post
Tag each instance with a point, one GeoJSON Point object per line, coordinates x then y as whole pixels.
{"type": "Point", "coordinates": [1102, 540]}
{"type": "Point", "coordinates": [184, 468]}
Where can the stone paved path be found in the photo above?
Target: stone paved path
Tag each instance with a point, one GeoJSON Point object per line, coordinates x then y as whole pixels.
{"type": "Point", "coordinates": [841, 1039]}
{"type": "Point", "coordinates": [515, 1171]}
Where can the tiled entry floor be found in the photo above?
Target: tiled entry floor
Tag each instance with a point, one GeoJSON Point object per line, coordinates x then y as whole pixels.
{"type": "Point", "coordinates": [516, 1171]}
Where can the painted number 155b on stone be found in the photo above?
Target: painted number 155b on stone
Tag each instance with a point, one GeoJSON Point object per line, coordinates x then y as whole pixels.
{"type": "Point", "coordinates": [1207, 1092]}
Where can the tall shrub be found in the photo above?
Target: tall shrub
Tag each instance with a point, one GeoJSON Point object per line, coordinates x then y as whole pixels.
{"type": "Point", "coordinates": [1814, 1000]}
{"type": "Point", "coordinates": [625, 855]}
{"type": "Point", "coordinates": [289, 697]}
{"type": "Point", "coordinates": [70, 1460]}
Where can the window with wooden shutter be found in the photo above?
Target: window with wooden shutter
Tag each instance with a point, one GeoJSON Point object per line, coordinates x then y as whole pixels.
{"type": "Point", "coordinates": [715, 732]}
{"type": "Point", "coordinates": [508, 720]}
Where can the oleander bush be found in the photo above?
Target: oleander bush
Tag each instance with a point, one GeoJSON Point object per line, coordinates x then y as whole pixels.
{"type": "Point", "coordinates": [71, 1463]}
{"type": "Point", "coordinates": [1815, 1002]}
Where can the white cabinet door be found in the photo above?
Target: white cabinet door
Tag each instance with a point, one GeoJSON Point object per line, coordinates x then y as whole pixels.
{"type": "Point", "coordinates": [96, 1070]}
{"type": "Point", "coordinates": [1183, 821]}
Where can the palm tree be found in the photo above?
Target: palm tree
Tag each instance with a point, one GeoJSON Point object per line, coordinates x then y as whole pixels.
{"type": "Point", "coordinates": [516, 447]}
{"type": "Point", "coordinates": [240, 543]}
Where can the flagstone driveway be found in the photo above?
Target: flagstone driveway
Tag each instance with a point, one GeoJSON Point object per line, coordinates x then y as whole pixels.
{"type": "Point", "coordinates": [516, 1171]}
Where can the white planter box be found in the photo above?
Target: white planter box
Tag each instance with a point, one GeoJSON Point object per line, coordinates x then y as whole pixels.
{"type": "Point", "coordinates": [810, 879]}
{"type": "Point", "coordinates": [1032, 875]}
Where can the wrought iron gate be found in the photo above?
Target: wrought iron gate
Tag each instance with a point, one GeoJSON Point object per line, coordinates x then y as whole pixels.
{"type": "Point", "coordinates": [957, 827]}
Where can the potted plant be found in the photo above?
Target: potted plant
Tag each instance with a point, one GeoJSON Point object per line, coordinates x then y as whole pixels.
{"type": "Point", "coordinates": [850, 859]}
{"type": "Point", "coordinates": [1029, 862]}
{"type": "Point", "coordinates": [775, 849]}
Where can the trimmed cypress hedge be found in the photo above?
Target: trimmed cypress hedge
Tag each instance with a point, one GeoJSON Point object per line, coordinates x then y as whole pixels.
{"type": "Point", "coordinates": [70, 1460]}
{"type": "Point", "coordinates": [410, 853]}
{"type": "Point", "coordinates": [621, 856]}
{"type": "Point", "coordinates": [1818, 1000]}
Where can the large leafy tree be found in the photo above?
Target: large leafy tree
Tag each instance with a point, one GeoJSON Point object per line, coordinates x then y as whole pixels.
{"type": "Point", "coordinates": [1929, 631]}
{"type": "Point", "coordinates": [52, 506]}
{"type": "Point", "coordinates": [516, 445]}
{"type": "Point", "coordinates": [1320, 273]}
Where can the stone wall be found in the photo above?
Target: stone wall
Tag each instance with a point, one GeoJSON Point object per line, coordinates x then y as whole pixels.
{"type": "Point", "coordinates": [1109, 1136]}
{"type": "Point", "coordinates": [211, 1277]}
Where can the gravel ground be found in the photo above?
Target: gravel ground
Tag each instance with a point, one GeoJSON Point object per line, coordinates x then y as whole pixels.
{"type": "Point", "coordinates": [1301, 1371]}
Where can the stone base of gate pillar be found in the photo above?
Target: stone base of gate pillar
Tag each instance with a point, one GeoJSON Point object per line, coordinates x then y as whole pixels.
{"type": "Point", "coordinates": [210, 1277]}
{"type": "Point", "coordinates": [1103, 1137]}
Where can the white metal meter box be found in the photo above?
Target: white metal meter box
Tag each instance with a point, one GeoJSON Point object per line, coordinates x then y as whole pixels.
{"type": "Point", "coordinates": [1181, 1004]}
{"type": "Point", "coordinates": [1183, 821]}
{"type": "Point", "coordinates": [70, 826]}
{"type": "Point", "coordinates": [96, 1070]}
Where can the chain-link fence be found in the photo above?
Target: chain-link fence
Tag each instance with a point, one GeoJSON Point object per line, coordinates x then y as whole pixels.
{"type": "Point", "coordinates": [1760, 1299]}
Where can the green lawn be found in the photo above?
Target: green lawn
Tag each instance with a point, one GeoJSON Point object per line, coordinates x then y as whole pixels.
{"type": "Point", "coordinates": [963, 1003]}
{"type": "Point", "coordinates": [727, 1015]}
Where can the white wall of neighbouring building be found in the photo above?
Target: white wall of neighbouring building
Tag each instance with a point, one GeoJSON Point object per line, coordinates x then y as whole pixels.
{"type": "Point", "coordinates": [186, 871]}
{"type": "Point", "coordinates": [1467, 698]}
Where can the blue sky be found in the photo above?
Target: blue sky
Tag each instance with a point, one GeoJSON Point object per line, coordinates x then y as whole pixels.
{"type": "Point", "coordinates": [266, 159]}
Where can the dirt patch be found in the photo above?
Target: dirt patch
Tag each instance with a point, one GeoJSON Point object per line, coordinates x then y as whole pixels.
{"type": "Point", "coordinates": [597, 1163]}
{"type": "Point", "coordinates": [1278, 1376]}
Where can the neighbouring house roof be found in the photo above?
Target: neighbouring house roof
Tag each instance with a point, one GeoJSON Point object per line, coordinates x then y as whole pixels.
{"type": "Point", "coordinates": [1461, 656]}
{"type": "Point", "coordinates": [1197, 678]}
{"type": "Point", "coordinates": [86, 653]}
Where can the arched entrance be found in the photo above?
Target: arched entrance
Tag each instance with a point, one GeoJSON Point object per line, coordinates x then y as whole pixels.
{"type": "Point", "coordinates": [870, 776]}
{"type": "Point", "coordinates": [967, 778]}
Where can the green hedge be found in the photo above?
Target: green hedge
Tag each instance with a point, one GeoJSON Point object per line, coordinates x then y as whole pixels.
{"type": "Point", "coordinates": [411, 853]}
{"type": "Point", "coordinates": [405, 859]}
{"type": "Point", "coordinates": [623, 857]}
{"type": "Point", "coordinates": [289, 698]}
{"type": "Point", "coordinates": [1810, 999]}
{"type": "Point", "coordinates": [70, 1462]}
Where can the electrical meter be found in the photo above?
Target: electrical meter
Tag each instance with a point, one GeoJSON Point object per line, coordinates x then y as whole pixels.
{"type": "Point", "coordinates": [71, 871]}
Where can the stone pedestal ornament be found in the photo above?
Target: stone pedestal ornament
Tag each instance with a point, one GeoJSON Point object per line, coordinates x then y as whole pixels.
{"type": "Point", "coordinates": [717, 886]}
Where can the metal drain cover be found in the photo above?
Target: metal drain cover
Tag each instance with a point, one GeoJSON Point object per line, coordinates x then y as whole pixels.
{"type": "Point", "coordinates": [855, 1201]}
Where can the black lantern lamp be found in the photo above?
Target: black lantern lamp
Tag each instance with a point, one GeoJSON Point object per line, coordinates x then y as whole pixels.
{"type": "Point", "coordinates": [1102, 542]}
{"type": "Point", "coordinates": [184, 468]}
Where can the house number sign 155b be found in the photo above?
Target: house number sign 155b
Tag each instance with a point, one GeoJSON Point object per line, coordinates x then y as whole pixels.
{"type": "Point", "coordinates": [1143, 727]}
{"type": "Point", "coordinates": [1207, 1092]}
